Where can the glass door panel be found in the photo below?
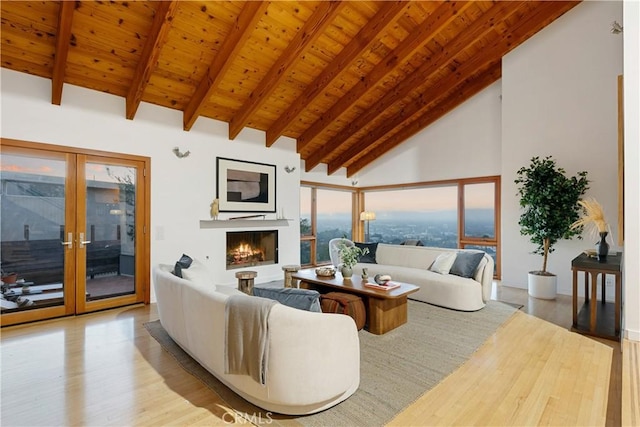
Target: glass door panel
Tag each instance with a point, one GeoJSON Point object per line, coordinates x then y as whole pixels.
{"type": "Point", "coordinates": [110, 225]}
{"type": "Point", "coordinates": [36, 234]}
{"type": "Point", "coordinates": [107, 239]}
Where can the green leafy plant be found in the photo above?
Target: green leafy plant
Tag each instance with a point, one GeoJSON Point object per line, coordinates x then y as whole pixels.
{"type": "Point", "coordinates": [549, 202]}
{"type": "Point", "coordinates": [349, 255]}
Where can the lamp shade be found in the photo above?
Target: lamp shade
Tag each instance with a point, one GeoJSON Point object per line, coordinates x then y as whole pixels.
{"type": "Point", "coordinates": [367, 216]}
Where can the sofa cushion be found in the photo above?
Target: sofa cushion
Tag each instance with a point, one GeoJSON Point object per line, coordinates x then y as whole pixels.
{"type": "Point", "coordinates": [466, 263]}
{"type": "Point", "coordinates": [408, 256]}
{"type": "Point", "coordinates": [303, 299]}
{"type": "Point", "coordinates": [184, 262]}
{"type": "Point", "coordinates": [198, 272]}
{"type": "Point", "coordinates": [443, 263]}
{"type": "Point", "coordinates": [370, 257]}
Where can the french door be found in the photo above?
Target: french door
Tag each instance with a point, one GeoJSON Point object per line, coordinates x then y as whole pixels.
{"type": "Point", "coordinates": [73, 232]}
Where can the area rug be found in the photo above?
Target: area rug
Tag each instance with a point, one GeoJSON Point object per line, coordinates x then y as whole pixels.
{"type": "Point", "coordinates": [396, 368]}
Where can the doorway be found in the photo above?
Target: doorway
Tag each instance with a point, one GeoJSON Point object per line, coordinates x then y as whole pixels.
{"type": "Point", "coordinates": [73, 231]}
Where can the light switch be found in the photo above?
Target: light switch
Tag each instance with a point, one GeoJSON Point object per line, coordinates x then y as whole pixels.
{"type": "Point", "coordinates": [159, 232]}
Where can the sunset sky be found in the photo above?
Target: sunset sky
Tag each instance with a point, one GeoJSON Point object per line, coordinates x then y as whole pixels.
{"type": "Point", "coordinates": [479, 196]}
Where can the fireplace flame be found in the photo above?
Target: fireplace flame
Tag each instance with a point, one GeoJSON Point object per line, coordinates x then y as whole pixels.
{"type": "Point", "coordinates": [244, 253]}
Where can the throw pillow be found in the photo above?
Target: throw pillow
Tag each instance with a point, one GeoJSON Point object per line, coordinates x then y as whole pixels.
{"type": "Point", "coordinates": [369, 258]}
{"type": "Point", "coordinates": [198, 272]}
{"type": "Point", "coordinates": [443, 263]}
{"type": "Point", "coordinates": [303, 299]}
{"type": "Point", "coordinates": [466, 264]}
{"type": "Point", "coordinates": [184, 262]}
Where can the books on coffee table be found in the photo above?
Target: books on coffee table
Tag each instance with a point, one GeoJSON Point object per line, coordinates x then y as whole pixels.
{"type": "Point", "coordinates": [386, 287]}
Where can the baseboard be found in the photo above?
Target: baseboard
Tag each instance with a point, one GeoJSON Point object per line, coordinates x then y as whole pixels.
{"type": "Point", "coordinates": [631, 335]}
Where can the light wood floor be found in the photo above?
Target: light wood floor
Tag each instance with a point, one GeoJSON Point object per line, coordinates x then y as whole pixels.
{"type": "Point", "coordinates": [631, 384]}
{"type": "Point", "coordinates": [105, 369]}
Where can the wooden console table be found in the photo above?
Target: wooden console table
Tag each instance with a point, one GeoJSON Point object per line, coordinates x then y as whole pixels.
{"type": "Point", "coordinates": [597, 317]}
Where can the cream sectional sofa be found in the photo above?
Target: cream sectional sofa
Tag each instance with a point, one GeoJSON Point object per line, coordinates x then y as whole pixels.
{"type": "Point", "coordinates": [411, 264]}
{"type": "Point", "coordinates": [314, 358]}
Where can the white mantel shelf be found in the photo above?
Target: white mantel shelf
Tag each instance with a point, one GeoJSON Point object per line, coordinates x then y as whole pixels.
{"type": "Point", "coordinates": [241, 223]}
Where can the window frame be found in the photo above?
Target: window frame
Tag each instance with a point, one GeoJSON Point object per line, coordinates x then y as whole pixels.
{"type": "Point", "coordinates": [313, 237]}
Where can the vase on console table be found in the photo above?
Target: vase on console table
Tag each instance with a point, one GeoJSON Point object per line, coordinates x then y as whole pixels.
{"type": "Point", "coordinates": [602, 247]}
{"type": "Point", "coordinates": [347, 272]}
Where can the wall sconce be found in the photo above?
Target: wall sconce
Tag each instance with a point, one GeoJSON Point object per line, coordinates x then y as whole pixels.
{"type": "Point", "coordinates": [616, 28]}
{"type": "Point", "coordinates": [289, 169]}
{"type": "Point", "coordinates": [367, 216]}
{"type": "Point", "coordinates": [180, 155]}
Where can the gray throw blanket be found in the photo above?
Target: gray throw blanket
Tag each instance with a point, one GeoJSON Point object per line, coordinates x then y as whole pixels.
{"type": "Point", "coordinates": [247, 336]}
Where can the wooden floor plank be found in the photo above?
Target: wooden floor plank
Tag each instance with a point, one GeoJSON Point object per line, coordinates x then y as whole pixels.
{"type": "Point", "coordinates": [631, 383]}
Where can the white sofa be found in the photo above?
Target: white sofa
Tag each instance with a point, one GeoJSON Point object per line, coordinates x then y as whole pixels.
{"type": "Point", "coordinates": [314, 358]}
{"type": "Point", "coordinates": [410, 264]}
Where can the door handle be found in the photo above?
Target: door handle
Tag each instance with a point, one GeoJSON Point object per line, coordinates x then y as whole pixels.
{"type": "Point", "coordinates": [82, 241]}
{"type": "Point", "coordinates": [69, 242]}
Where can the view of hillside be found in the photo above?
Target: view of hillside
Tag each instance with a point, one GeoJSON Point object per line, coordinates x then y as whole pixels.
{"type": "Point", "coordinates": [437, 228]}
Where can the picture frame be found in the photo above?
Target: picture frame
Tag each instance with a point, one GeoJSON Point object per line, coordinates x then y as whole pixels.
{"type": "Point", "coordinates": [243, 186]}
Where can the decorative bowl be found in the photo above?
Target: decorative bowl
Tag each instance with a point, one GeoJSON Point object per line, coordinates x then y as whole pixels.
{"type": "Point", "coordinates": [381, 279]}
{"type": "Point", "coordinates": [325, 271]}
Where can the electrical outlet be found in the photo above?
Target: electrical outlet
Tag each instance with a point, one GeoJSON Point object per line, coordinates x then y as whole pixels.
{"type": "Point", "coordinates": [611, 281]}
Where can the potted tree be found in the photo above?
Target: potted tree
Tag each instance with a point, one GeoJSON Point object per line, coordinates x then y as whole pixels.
{"type": "Point", "coordinates": [549, 203]}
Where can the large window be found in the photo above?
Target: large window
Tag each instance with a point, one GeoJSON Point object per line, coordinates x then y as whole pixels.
{"type": "Point", "coordinates": [325, 213]}
{"type": "Point", "coordinates": [460, 213]}
{"type": "Point", "coordinates": [428, 214]}
{"type": "Point", "coordinates": [479, 217]}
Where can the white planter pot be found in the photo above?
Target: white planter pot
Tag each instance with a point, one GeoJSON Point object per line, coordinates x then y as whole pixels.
{"type": "Point", "coordinates": [543, 287]}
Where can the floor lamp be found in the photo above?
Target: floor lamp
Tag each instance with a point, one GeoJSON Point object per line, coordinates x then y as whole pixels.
{"type": "Point", "coordinates": [367, 216]}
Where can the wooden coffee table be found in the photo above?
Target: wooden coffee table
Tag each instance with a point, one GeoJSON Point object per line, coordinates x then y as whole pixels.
{"type": "Point", "coordinates": [386, 310]}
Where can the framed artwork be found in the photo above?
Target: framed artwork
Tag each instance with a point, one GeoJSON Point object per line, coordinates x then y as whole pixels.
{"type": "Point", "coordinates": [245, 186]}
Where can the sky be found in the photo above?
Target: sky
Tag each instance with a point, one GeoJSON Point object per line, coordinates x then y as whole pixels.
{"type": "Point", "coordinates": [54, 167]}
{"type": "Point", "coordinates": [478, 196]}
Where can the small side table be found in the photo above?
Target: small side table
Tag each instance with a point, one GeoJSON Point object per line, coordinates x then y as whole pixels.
{"type": "Point", "coordinates": [245, 281]}
{"type": "Point", "coordinates": [290, 282]}
{"type": "Point", "coordinates": [597, 317]}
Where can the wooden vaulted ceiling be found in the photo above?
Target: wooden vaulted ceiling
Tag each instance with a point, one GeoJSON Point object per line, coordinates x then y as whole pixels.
{"type": "Point", "coordinates": [348, 80]}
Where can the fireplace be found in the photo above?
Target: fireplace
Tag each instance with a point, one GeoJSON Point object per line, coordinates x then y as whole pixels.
{"type": "Point", "coordinates": [251, 248]}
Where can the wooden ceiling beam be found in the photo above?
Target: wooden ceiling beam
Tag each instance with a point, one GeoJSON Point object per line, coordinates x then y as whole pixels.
{"type": "Point", "coordinates": [443, 15]}
{"type": "Point", "coordinates": [310, 31]}
{"type": "Point", "coordinates": [248, 18]}
{"type": "Point", "coordinates": [477, 30]}
{"type": "Point", "coordinates": [151, 52]}
{"type": "Point", "coordinates": [433, 94]}
{"type": "Point", "coordinates": [466, 90]}
{"type": "Point", "coordinates": [387, 15]}
{"type": "Point", "coordinates": [63, 40]}
{"type": "Point", "coordinates": [545, 13]}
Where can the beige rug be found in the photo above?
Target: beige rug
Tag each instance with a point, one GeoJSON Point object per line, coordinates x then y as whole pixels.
{"type": "Point", "coordinates": [396, 368]}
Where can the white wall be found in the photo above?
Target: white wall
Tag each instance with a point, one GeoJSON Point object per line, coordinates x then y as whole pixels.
{"type": "Point", "coordinates": [181, 189]}
{"type": "Point", "coordinates": [464, 143]}
{"type": "Point", "coordinates": [631, 277]}
{"type": "Point", "coordinates": [560, 98]}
